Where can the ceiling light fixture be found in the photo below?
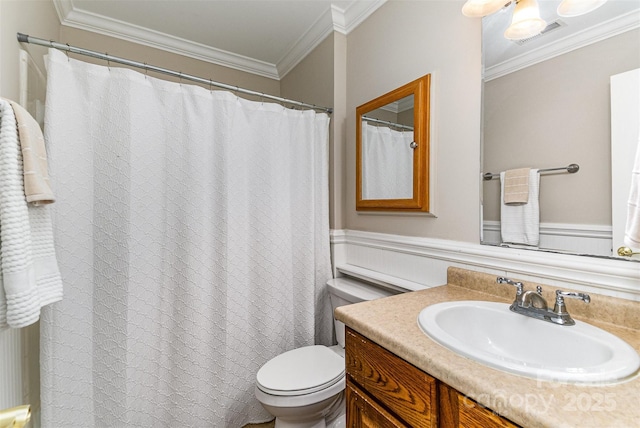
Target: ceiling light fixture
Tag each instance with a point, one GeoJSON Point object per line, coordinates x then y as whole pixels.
{"type": "Point", "coordinates": [570, 8]}
{"type": "Point", "coordinates": [480, 8]}
{"type": "Point", "coordinates": [526, 21]}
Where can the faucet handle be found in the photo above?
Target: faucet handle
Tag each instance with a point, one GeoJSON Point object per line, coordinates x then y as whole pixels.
{"type": "Point", "coordinates": [560, 295]}
{"type": "Point", "coordinates": [517, 284]}
{"type": "Point", "coordinates": [562, 317]}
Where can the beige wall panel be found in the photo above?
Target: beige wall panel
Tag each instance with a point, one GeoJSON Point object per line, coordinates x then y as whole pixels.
{"type": "Point", "coordinates": [400, 42]}
{"type": "Point", "coordinates": [340, 116]}
{"type": "Point", "coordinates": [553, 114]}
{"type": "Point", "coordinates": [34, 17]}
{"type": "Point", "coordinates": [312, 81]}
{"type": "Point", "coordinates": [164, 59]}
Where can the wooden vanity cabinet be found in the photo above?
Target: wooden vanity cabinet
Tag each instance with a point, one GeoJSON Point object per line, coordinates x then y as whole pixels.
{"type": "Point", "coordinates": [457, 410]}
{"type": "Point", "coordinates": [365, 412]}
{"type": "Point", "coordinates": [384, 391]}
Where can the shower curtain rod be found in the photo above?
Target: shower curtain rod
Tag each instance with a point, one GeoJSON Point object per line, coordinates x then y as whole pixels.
{"type": "Point", "coordinates": [24, 38]}
{"type": "Point", "coordinates": [385, 122]}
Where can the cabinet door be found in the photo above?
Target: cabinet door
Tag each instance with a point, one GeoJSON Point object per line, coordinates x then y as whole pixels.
{"type": "Point", "coordinates": [364, 412]}
{"type": "Point", "coordinates": [459, 411]}
{"type": "Point", "coordinates": [399, 386]}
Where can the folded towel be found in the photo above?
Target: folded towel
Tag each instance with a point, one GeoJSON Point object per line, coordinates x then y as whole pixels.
{"type": "Point", "coordinates": [516, 186]}
{"type": "Point", "coordinates": [34, 157]}
{"type": "Point", "coordinates": [30, 277]}
{"type": "Point", "coordinates": [632, 228]}
{"type": "Point", "coordinates": [520, 224]}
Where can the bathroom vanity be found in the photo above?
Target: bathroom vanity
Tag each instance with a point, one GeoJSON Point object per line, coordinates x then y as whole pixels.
{"type": "Point", "coordinates": [399, 377]}
{"type": "Point", "coordinates": [378, 380]}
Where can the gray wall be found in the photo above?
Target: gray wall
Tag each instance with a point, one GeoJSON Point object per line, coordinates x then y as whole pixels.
{"type": "Point", "coordinates": [313, 81]}
{"type": "Point", "coordinates": [36, 17]}
{"type": "Point", "coordinates": [400, 42]}
{"type": "Point", "coordinates": [552, 114]}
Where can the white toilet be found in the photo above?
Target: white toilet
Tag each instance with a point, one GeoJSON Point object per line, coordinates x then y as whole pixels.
{"type": "Point", "coordinates": [304, 387]}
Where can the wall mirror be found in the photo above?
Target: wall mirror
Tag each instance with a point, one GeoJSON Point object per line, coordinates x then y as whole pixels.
{"type": "Point", "coordinates": [547, 103]}
{"type": "Point", "coordinates": [392, 150]}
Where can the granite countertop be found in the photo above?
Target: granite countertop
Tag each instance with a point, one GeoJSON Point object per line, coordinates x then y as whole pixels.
{"type": "Point", "coordinates": [392, 323]}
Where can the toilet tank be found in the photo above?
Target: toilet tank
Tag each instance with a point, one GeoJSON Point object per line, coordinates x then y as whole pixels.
{"type": "Point", "coordinates": [345, 291]}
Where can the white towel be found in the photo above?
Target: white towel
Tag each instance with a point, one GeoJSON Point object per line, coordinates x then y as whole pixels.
{"type": "Point", "coordinates": [632, 229]}
{"type": "Point", "coordinates": [520, 224]}
{"type": "Point", "coordinates": [30, 276]}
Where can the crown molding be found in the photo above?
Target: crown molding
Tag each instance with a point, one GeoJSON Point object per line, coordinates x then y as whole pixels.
{"type": "Point", "coordinates": [353, 15]}
{"type": "Point", "coordinates": [613, 27]}
{"type": "Point", "coordinates": [315, 35]}
{"type": "Point", "coordinates": [77, 18]}
{"type": "Point", "coordinates": [341, 20]}
{"type": "Point", "coordinates": [334, 19]}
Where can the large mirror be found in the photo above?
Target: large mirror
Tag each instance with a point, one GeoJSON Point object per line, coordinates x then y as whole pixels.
{"type": "Point", "coordinates": [392, 150]}
{"type": "Point", "coordinates": [547, 105]}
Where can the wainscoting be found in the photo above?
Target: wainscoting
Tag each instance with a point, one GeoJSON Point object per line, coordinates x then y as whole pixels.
{"type": "Point", "coordinates": [572, 238]}
{"type": "Point", "coordinates": [10, 368]}
{"type": "Point", "coordinates": [412, 263]}
{"type": "Point", "coordinates": [19, 369]}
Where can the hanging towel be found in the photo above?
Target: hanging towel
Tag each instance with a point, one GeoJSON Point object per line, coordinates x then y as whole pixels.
{"type": "Point", "coordinates": [34, 157]}
{"type": "Point", "coordinates": [516, 186]}
{"type": "Point", "coordinates": [520, 224]}
{"type": "Point", "coordinates": [30, 278]}
{"type": "Point", "coordinates": [632, 228]}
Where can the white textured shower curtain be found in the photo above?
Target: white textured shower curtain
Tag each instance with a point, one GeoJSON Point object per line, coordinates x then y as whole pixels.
{"type": "Point", "coordinates": [387, 163]}
{"type": "Point", "coordinates": [192, 233]}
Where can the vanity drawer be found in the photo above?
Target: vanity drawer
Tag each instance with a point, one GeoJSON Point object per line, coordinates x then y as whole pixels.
{"type": "Point", "coordinates": [365, 412]}
{"type": "Point", "coordinates": [458, 411]}
{"type": "Point", "coordinates": [405, 390]}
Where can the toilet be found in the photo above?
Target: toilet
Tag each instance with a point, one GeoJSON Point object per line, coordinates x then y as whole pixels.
{"type": "Point", "coordinates": [304, 387]}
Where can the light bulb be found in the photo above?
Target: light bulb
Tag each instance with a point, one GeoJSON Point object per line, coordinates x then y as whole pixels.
{"type": "Point", "coordinates": [526, 21]}
{"type": "Point", "coordinates": [570, 8]}
{"type": "Point", "coordinates": [480, 8]}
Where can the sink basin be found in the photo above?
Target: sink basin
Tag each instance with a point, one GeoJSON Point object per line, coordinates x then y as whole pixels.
{"type": "Point", "coordinates": [491, 334]}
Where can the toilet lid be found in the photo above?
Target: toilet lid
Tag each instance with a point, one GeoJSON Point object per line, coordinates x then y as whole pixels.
{"type": "Point", "coordinates": [301, 371]}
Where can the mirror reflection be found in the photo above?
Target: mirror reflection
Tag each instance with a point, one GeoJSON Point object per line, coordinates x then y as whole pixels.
{"type": "Point", "coordinates": [547, 103]}
{"type": "Point", "coordinates": [387, 151]}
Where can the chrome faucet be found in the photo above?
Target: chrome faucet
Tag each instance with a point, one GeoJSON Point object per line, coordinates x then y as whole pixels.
{"type": "Point", "coordinates": [532, 304]}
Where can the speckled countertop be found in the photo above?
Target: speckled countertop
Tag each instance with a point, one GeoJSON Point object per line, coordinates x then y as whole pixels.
{"type": "Point", "coordinates": [392, 323]}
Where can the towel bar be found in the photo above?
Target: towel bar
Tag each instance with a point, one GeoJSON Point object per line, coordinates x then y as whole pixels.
{"type": "Point", "coordinates": [571, 169]}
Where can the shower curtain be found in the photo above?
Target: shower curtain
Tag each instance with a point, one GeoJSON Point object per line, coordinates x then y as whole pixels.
{"type": "Point", "coordinates": [387, 163]}
{"type": "Point", "coordinates": [192, 233]}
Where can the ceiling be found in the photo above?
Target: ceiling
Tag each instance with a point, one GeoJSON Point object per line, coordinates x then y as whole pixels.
{"type": "Point", "coordinates": [269, 37]}
{"type": "Point", "coordinates": [264, 37]}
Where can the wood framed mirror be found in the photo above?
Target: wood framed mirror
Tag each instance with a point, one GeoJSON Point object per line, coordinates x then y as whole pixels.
{"type": "Point", "coordinates": [392, 150]}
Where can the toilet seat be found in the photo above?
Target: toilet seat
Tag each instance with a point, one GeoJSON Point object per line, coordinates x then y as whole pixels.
{"type": "Point", "coordinates": [301, 371]}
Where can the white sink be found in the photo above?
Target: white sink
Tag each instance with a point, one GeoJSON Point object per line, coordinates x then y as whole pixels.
{"type": "Point", "coordinates": [491, 334]}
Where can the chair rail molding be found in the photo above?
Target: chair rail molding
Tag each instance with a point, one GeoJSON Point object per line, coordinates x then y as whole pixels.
{"type": "Point", "coordinates": [410, 263]}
